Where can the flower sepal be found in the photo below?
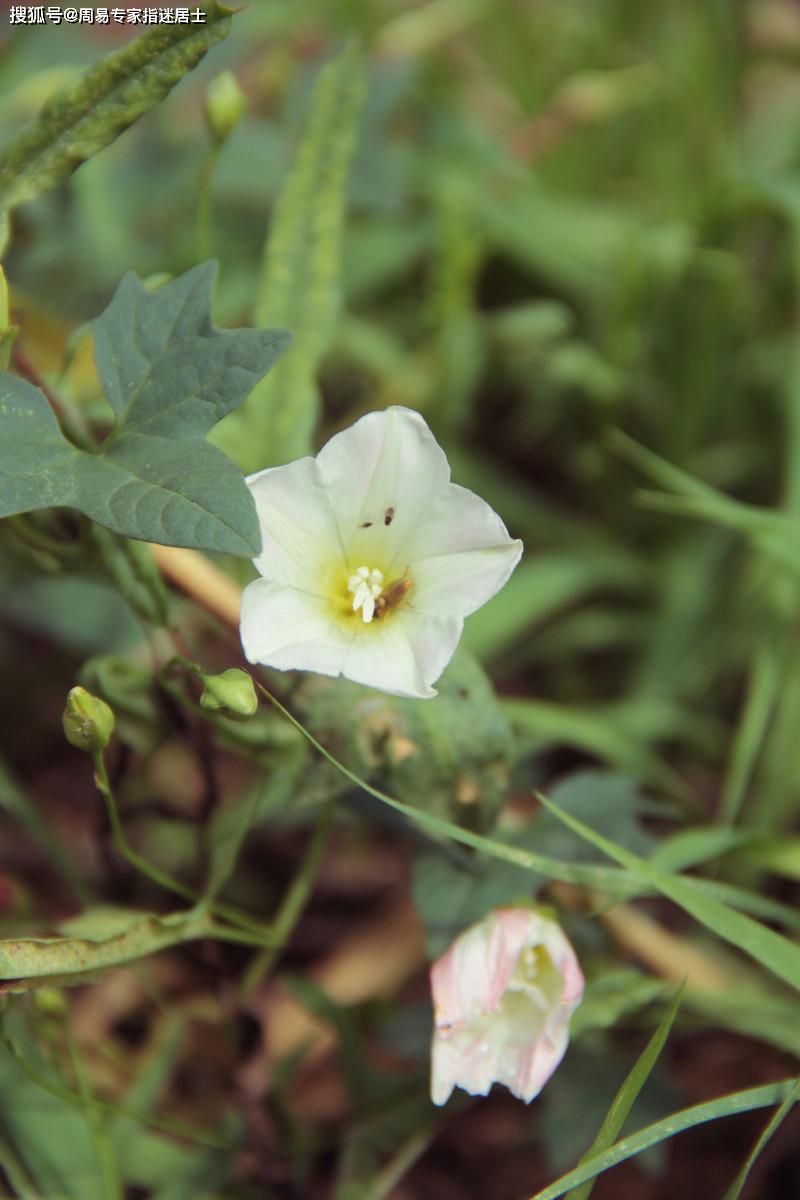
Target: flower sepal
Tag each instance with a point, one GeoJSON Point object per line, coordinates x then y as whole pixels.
{"type": "Point", "coordinates": [231, 693]}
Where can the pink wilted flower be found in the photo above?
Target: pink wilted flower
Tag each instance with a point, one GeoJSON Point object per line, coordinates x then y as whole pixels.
{"type": "Point", "coordinates": [503, 995]}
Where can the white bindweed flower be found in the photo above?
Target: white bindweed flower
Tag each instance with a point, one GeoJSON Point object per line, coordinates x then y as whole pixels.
{"type": "Point", "coordinates": [371, 558]}
{"type": "Point", "coordinates": [503, 995]}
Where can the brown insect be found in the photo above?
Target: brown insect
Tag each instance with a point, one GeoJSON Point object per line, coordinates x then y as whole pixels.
{"type": "Point", "coordinates": [391, 595]}
{"type": "Point", "coordinates": [365, 525]}
{"type": "Point", "coordinates": [388, 516]}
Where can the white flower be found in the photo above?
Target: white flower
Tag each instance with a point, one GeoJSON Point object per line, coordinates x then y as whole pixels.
{"type": "Point", "coordinates": [503, 995]}
{"type": "Point", "coordinates": [371, 558]}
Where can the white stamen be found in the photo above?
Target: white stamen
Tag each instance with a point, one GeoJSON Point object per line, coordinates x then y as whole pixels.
{"type": "Point", "coordinates": [366, 585]}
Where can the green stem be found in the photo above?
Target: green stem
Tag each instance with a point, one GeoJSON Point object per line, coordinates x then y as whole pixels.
{"type": "Point", "coordinates": [259, 932]}
{"type": "Point", "coordinates": [292, 905]}
{"type": "Point", "coordinates": [112, 1184]}
{"type": "Point", "coordinates": [158, 876]}
{"type": "Point", "coordinates": [613, 880]}
{"type": "Point", "coordinates": [205, 208]}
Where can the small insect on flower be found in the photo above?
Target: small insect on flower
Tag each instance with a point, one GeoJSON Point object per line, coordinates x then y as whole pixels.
{"type": "Point", "coordinates": [371, 558]}
{"type": "Point", "coordinates": [391, 595]}
{"type": "Point", "coordinates": [503, 995]}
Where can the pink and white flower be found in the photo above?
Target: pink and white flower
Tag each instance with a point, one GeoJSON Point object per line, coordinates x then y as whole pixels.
{"type": "Point", "coordinates": [371, 558]}
{"type": "Point", "coordinates": [503, 995]}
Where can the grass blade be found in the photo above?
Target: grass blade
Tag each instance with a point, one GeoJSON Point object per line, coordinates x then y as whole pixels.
{"type": "Point", "coordinates": [774, 952]}
{"type": "Point", "coordinates": [626, 1096]}
{"type": "Point", "coordinates": [734, 1191]}
{"type": "Point", "coordinates": [677, 1122]}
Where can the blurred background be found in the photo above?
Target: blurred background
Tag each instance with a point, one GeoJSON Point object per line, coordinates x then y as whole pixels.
{"type": "Point", "coordinates": [571, 242]}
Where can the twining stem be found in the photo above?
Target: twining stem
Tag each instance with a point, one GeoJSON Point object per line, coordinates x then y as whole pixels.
{"type": "Point", "coordinates": [257, 929]}
{"type": "Point", "coordinates": [292, 904]}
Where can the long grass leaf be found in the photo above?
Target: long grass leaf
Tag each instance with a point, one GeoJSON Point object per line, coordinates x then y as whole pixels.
{"type": "Point", "coordinates": [677, 1122]}
{"type": "Point", "coordinates": [774, 952]}
{"type": "Point", "coordinates": [626, 1096]}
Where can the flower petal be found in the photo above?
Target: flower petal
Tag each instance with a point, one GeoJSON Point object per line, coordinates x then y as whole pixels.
{"type": "Point", "coordinates": [474, 973]}
{"type": "Point", "coordinates": [291, 630]}
{"type": "Point", "coordinates": [404, 655]}
{"type": "Point", "coordinates": [461, 555]}
{"type": "Point", "coordinates": [383, 476]}
{"type": "Point", "coordinates": [503, 996]}
{"type": "Point", "coordinates": [299, 534]}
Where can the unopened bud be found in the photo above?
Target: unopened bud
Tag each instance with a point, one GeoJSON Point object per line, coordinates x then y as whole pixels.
{"type": "Point", "coordinates": [8, 332]}
{"type": "Point", "coordinates": [88, 721]}
{"type": "Point", "coordinates": [50, 1001]}
{"type": "Point", "coordinates": [225, 105]}
{"type": "Point", "coordinates": [232, 692]}
{"type": "Point", "coordinates": [3, 301]}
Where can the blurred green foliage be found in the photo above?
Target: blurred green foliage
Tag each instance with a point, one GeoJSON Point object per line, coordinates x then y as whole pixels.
{"type": "Point", "coordinates": [562, 220]}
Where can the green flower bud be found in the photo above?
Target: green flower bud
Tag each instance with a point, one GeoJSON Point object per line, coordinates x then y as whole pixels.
{"type": "Point", "coordinates": [3, 301]}
{"type": "Point", "coordinates": [231, 692]}
{"type": "Point", "coordinates": [88, 721]}
{"type": "Point", "coordinates": [50, 1001]}
{"type": "Point", "coordinates": [8, 332]}
{"type": "Point", "coordinates": [225, 105]}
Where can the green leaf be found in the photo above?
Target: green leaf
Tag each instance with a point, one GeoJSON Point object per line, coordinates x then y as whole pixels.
{"type": "Point", "coordinates": [51, 1137]}
{"type": "Point", "coordinates": [170, 374]}
{"type": "Point", "coordinates": [299, 287]}
{"type": "Point", "coordinates": [627, 1094]}
{"type": "Point", "coordinates": [90, 113]}
{"type": "Point", "coordinates": [166, 369]}
{"type": "Point", "coordinates": [774, 952]}
{"type": "Point", "coordinates": [613, 803]}
{"type": "Point", "coordinates": [449, 897]}
{"type": "Point", "coordinates": [677, 1122]}
{"type": "Point", "coordinates": [101, 938]}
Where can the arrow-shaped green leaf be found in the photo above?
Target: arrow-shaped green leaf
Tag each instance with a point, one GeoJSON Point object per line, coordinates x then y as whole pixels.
{"type": "Point", "coordinates": [170, 375]}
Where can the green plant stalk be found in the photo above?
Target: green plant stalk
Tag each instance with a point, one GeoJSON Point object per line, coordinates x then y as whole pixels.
{"type": "Point", "coordinates": [636, 880]}
{"type": "Point", "coordinates": [762, 696]}
{"type": "Point", "coordinates": [112, 1184]}
{"type": "Point", "coordinates": [293, 903]}
{"type": "Point", "coordinates": [255, 928]}
{"type": "Point", "coordinates": [205, 209]}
